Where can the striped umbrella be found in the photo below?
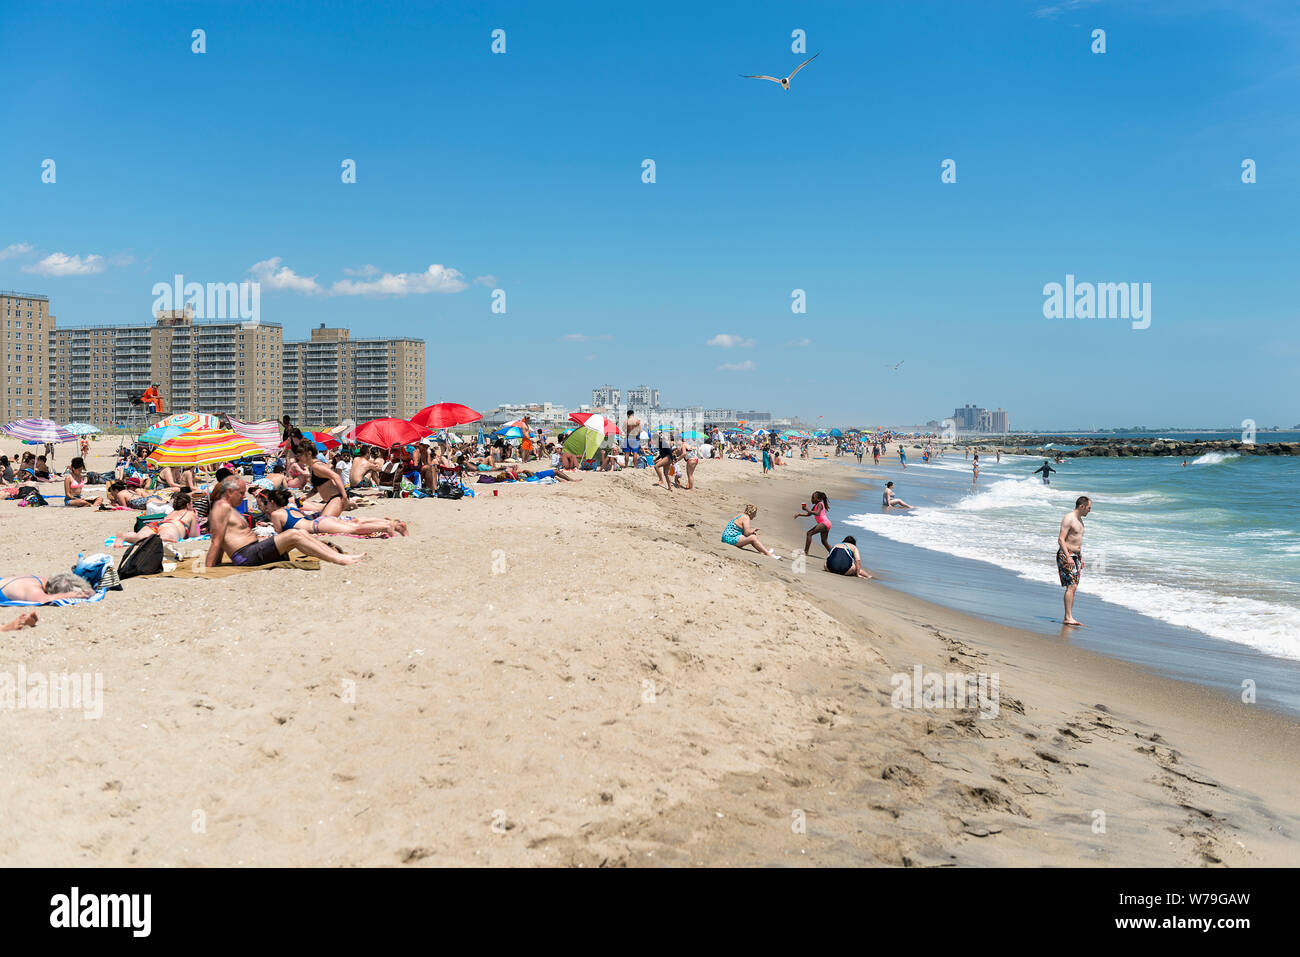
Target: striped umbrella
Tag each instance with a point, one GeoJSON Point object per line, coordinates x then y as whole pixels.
{"type": "Point", "coordinates": [38, 431]}
{"type": "Point", "coordinates": [189, 420]}
{"type": "Point", "coordinates": [203, 447]}
{"type": "Point", "coordinates": [586, 438]}
{"type": "Point", "coordinates": [81, 428]}
{"type": "Point", "coordinates": [583, 417]}
{"type": "Point", "coordinates": [266, 434]}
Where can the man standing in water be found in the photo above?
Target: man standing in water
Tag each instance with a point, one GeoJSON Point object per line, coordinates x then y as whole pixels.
{"type": "Point", "coordinates": [1069, 553]}
{"type": "Point", "coordinates": [1047, 470]}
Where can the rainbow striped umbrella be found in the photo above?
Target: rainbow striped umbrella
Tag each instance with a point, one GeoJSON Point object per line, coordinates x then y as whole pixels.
{"type": "Point", "coordinates": [37, 431]}
{"type": "Point", "coordinates": [203, 447]}
{"type": "Point", "coordinates": [189, 420]}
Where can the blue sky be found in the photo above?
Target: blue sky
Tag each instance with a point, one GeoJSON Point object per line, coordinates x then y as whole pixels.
{"type": "Point", "coordinates": [522, 172]}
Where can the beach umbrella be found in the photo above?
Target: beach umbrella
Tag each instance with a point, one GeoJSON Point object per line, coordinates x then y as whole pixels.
{"type": "Point", "coordinates": [189, 420]}
{"type": "Point", "coordinates": [37, 431]}
{"type": "Point", "coordinates": [694, 436]}
{"type": "Point", "coordinates": [266, 433]}
{"type": "Point", "coordinates": [389, 432]}
{"type": "Point", "coordinates": [586, 438]}
{"type": "Point", "coordinates": [582, 417]}
{"type": "Point", "coordinates": [157, 436]}
{"type": "Point", "coordinates": [324, 441]}
{"type": "Point", "coordinates": [203, 447]}
{"type": "Point", "coordinates": [511, 430]}
{"type": "Point", "coordinates": [443, 415]}
{"type": "Point", "coordinates": [81, 428]}
{"type": "Point", "coordinates": [837, 433]}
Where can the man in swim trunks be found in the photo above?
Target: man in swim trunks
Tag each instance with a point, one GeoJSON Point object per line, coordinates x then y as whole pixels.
{"type": "Point", "coordinates": [232, 537]}
{"type": "Point", "coordinates": [632, 436]}
{"type": "Point", "coordinates": [1069, 553]}
{"type": "Point", "coordinates": [1047, 471]}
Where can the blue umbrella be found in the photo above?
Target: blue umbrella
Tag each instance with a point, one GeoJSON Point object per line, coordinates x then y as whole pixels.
{"type": "Point", "coordinates": [160, 434]}
{"type": "Point", "coordinates": [837, 433]}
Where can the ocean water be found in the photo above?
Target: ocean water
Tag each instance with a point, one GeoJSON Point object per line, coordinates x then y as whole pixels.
{"type": "Point", "coordinates": [1210, 551]}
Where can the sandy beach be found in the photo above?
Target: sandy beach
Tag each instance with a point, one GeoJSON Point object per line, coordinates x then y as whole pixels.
{"type": "Point", "coordinates": [583, 674]}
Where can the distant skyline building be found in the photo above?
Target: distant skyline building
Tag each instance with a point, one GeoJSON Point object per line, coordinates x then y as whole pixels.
{"type": "Point", "coordinates": [605, 397]}
{"type": "Point", "coordinates": [643, 397]}
{"type": "Point", "coordinates": [972, 418]}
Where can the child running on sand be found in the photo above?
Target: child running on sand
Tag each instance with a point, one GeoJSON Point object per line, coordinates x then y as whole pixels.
{"type": "Point", "coordinates": [821, 506]}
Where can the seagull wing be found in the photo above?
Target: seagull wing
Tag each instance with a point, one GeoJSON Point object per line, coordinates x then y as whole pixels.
{"type": "Point", "coordinates": [804, 64]}
{"type": "Point", "coordinates": [760, 76]}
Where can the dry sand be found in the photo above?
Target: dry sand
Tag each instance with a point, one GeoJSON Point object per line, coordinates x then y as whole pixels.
{"type": "Point", "coordinates": [584, 674]}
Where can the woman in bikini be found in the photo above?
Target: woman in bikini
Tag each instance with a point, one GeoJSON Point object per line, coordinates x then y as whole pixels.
{"type": "Point", "coordinates": [285, 515]}
{"type": "Point", "coordinates": [73, 482]}
{"type": "Point", "coordinates": [181, 522]}
{"type": "Point", "coordinates": [822, 526]}
{"type": "Point", "coordinates": [324, 481]}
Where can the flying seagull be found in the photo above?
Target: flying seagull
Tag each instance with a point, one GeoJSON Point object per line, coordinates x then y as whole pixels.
{"type": "Point", "coordinates": [895, 368]}
{"type": "Point", "coordinates": [785, 83]}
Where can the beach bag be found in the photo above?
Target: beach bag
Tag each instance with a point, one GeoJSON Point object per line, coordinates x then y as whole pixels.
{"type": "Point", "coordinates": [36, 500]}
{"type": "Point", "coordinates": [450, 490]}
{"type": "Point", "coordinates": [99, 571]}
{"type": "Point", "coordinates": [142, 558]}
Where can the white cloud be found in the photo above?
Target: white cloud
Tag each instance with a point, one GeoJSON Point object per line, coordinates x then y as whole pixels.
{"type": "Point", "coordinates": [274, 276]}
{"type": "Point", "coordinates": [731, 342]}
{"type": "Point", "coordinates": [364, 271]}
{"type": "Point", "coordinates": [800, 343]}
{"type": "Point", "coordinates": [489, 281]}
{"type": "Point", "coordinates": [1064, 6]}
{"type": "Point", "coordinates": [61, 264]}
{"type": "Point", "coordinates": [745, 366]}
{"type": "Point", "coordinates": [15, 249]}
{"type": "Point", "coordinates": [580, 337]}
{"type": "Point", "coordinates": [434, 279]}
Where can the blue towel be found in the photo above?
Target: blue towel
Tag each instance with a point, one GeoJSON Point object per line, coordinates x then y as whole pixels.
{"type": "Point", "coordinates": [98, 596]}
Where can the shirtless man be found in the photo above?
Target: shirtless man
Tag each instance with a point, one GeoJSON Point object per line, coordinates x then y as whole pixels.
{"type": "Point", "coordinates": [1069, 553]}
{"type": "Point", "coordinates": [231, 536]}
{"type": "Point", "coordinates": [632, 438]}
{"type": "Point", "coordinates": [365, 463]}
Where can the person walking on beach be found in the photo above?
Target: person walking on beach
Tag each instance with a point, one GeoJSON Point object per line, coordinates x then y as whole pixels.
{"type": "Point", "coordinates": [821, 506]}
{"type": "Point", "coordinates": [976, 470]}
{"type": "Point", "coordinates": [1047, 470]}
{"type": "Point", "coordinates": [632, 436]}
{"type": "Point", "coordinates": [1069, 553]}
{"type": "Point", "coordinates": [875, 453]}
{"type": "Point", "coordinates": [902, 455]}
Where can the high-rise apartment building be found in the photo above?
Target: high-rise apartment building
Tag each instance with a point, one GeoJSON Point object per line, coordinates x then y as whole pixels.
{"type": "Point", "coordinates": [331, 377]}
{"type": "Point", "coordinates": [81, 374]}
{"type": "Point", "coordinates": [604, 397]}
{"type": "Point", "coordinates": [643, 397]}
{"type": "Point", "coordinates": [27, 324]}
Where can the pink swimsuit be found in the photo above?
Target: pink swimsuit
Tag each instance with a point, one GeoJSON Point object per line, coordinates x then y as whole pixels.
{"type": "Point", "coordinates": [822, 519]}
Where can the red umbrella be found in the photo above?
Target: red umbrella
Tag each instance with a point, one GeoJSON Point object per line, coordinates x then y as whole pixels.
{"type": "Point", "coordinates": [444, 415]}
{"type": "Point", "coordinates": [389, 432]}
{"type": "Point", "coordinates": [610, 427]}
{"type": "Point", "coordinates": [325, 439]}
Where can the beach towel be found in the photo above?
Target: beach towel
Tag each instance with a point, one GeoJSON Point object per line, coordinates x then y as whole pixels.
{"type": "Point", "coordinates": [98, 596]}
{"type": "Point", "coordinates": [186, 569]}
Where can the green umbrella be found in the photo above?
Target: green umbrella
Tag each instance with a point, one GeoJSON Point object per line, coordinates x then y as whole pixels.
{"type": "Point", "coordinates": [586, 438]}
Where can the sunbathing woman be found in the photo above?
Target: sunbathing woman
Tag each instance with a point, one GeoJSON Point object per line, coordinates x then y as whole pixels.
{"type": "Point", "coordinates": [122, 495]}
{"type": "Point", "coordinates": [73, 482]}
{"type": "Point", "coordinates": [324, 480]}
{"type": "Point", "coordinates": [740, 532]}
{"type": "Point", "coordinates": [181, 522]}
{"type": "Point", "coordinates": [284, 516]}
{"type": "Point", "coordinates": [34, 588]}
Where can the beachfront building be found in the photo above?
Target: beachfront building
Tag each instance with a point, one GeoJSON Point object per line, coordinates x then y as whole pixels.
{"type": "Point", "coordinates": [221, 365]}
{"type": "Point", "coordinates": [81, 374]}
{"type": "Point", "coordinates": [643, 397]}
{"type": "Point", "coordinates": [605, 397]}
{"type": "Point", "coordinates": [27, 322]}
{"type": "Point", "coordinates": [679, 420]}
{"type": "Point", "coordinates": [999, 422]}
{"type": "Point", "coordinates": [331, 377]}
